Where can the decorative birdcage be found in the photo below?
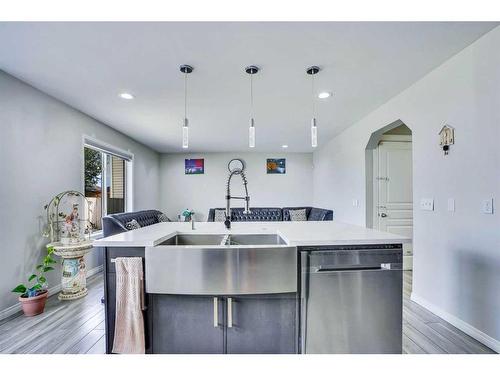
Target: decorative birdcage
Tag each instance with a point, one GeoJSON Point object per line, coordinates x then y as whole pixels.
{"type": "Point", "coordinates": [68, 218]}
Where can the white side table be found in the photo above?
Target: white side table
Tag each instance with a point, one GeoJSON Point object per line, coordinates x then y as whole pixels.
{"type": "Point", "coordinates": [74, 273]}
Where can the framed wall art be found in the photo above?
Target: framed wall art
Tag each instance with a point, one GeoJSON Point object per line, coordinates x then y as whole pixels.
{"type": "Point", "coordinates": [194, 166]}
{"type": "Point", "coordinates": [276, 166]}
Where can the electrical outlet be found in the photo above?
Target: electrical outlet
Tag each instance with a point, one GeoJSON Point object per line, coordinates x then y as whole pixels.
{"type": "Point", "coordinates": [487, 206]}
{"type": "Point", "coordinates": [427, 204]}
{"type": "Point", "coordinates": [451, 204]}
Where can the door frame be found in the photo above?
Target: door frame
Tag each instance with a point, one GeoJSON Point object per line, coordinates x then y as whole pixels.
{"type": "Point", "coordinates": [371, 145]}
{"type": "Point", "coordinates": [375, 171]}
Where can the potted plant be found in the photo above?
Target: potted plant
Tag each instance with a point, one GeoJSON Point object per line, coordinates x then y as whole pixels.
{"type": "Point", "coordinates": [188, 214]}
{"type": "Point", "coordinates": [33, 298]}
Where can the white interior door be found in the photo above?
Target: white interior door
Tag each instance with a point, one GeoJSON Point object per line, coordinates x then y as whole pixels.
{"type": "Point", "coordinates": [394, 181]}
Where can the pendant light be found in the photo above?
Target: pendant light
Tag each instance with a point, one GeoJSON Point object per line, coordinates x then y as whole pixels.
{"type": "Point", "coordinates": [186, 69]}
{"type": "Point", "coordinates": [312, 71]}
{"type": "Point", "coordinates": [251, 70]}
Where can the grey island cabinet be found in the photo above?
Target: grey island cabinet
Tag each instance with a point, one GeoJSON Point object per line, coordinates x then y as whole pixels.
{"type": "Point", "coordinates": [208, 324]}
{"type": "Point", "coordinates": [256, 324]}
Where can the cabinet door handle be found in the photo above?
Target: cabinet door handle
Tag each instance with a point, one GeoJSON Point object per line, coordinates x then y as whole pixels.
{"type": "Point", "coordinates": [230, 312]}
{"type": "Point", "coordinates": [216, 312]}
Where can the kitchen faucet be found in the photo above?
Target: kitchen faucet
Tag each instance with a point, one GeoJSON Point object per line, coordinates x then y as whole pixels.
{"type": "Point", "coordinates": [240, 172]}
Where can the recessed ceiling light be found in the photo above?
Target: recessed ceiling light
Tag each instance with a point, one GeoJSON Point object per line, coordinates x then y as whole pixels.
{"type": "Point", "coordinates": [324, 95]}
{"type": "Point", "coordinates": [285, 146]}
{"type": "Point", "coordinates": [126, 95]}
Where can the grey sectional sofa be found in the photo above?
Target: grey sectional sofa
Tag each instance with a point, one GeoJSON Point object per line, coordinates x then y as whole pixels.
{"type": "Point", "coordinates": [113, 224]}
{"type": "Point", "coordinates": [274, 214]}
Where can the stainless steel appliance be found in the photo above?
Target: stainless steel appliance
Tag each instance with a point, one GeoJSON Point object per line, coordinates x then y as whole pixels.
{"type": "Point", "coordinates": [351, 299]}
{"type": "Point", "coordinates": [212, 264]}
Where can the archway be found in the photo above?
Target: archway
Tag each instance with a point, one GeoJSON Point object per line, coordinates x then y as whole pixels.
{"type": "Point", "coordinates": [389, 182]}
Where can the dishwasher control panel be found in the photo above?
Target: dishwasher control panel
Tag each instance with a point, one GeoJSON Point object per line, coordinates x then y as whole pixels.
{"type": "Point", "coordinates": [328, 257]}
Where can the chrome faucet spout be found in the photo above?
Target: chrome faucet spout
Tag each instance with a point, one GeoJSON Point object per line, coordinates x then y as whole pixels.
{"type": "Point", "coordinates": [227, 221]}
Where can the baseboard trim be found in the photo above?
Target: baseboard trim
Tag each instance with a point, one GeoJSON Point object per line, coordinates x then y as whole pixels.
{"type": "Point", "coordinates": [12, 310]}
{"type": "Point", "coordinates": [480, 336]}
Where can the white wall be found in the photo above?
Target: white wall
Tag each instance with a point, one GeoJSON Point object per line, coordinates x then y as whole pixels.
{"type": "Point", "coordinates": [40, 156]}
{"type": "Point", "coordinates": [201, 192]}
{"type": "Point", "coordinates": [457, 255]}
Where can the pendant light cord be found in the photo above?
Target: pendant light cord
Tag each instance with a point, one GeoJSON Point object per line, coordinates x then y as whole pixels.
{"type": "Point", "coordinates": [185, 95]}
{"type": "Point", "coordinates": [312, 94]}
{"type": "Point", "coordinates": [251, 95]}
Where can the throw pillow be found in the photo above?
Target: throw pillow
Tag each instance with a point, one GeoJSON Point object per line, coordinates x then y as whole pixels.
{"type": "Point", "coordinates": [132, 224]}
{"type": "Point", "coordinates": [298, 215]}
{"type": "Point", "coordinates": [163, 218]}
{"type": "Point", "coordinates": [220, 215]}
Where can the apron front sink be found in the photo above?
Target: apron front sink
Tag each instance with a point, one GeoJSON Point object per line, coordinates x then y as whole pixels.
{"type": "Point", "coordinates": [221, 270]}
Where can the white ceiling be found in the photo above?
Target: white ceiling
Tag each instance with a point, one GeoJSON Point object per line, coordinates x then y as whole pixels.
{"type": "Point", "coordinates": [86, 65]}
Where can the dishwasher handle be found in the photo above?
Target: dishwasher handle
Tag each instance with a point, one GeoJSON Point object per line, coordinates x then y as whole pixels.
{"type": "Point", "coordinates": [352, 268]}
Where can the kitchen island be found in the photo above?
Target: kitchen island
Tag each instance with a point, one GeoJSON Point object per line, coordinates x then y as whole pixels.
{"type": "Point", "coordinates": [250, 290]}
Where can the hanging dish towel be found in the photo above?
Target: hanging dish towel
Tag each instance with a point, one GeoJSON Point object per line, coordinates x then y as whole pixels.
{"type": "Point", "coordinates": [129, 322]}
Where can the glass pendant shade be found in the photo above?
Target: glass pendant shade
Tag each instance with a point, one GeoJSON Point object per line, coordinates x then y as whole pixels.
{"type": "Point", "coordinates": [314, 133]}
{"type": "Point", "coordinates": [251, 134]}
{"type": "Point", "coordinates": [185, 134]}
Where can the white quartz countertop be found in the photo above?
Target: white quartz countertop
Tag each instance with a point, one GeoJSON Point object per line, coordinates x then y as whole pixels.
{"type": "Point", "coordinates": [298, 233]}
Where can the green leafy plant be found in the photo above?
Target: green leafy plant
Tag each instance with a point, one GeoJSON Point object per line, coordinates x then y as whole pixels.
{"type": "Point", "coordinates": [187, 213]}
{"type": "Point", "coordinates": [37, 280]}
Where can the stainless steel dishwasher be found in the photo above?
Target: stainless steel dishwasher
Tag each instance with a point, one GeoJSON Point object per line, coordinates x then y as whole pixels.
{"type": "Point", "coordinates": [351, 299]}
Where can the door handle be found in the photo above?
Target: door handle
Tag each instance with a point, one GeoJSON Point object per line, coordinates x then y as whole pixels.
{"type": "Point", "coordinates": [216, 312]}
{"type": "Point", "coordinates": [230, 312]}
{"type": "Point", "coordinates": [383, 214]}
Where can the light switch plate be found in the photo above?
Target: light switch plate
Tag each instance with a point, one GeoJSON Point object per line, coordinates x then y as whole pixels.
{"type": "Point", "coordinates": [451, 204]}
{"type": "Point", "coordinates": [355, 203]}
{"type": "Point", "coordinates": [487, 206]}
{"type": "Point", "coordinates": [427, 204]}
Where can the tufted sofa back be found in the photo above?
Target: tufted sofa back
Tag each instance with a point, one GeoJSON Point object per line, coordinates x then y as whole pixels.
{"type": "Point", "coordinates": [256, 214]}
{"type": "Point", "coordinates": [115, 223]}
{"type": "Point", "coordinates": [274, 214]}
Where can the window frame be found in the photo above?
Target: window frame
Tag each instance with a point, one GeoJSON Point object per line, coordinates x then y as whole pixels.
{"type": "Point", "coordinates": [106, 148]}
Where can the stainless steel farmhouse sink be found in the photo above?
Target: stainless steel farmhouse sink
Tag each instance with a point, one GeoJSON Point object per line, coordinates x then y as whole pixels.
{"type": "Point", "coordinates": [194, 239]}
{"type": "Point", "coordinates": [221, 265]}
{"type": "Point", "coordinates": [256, 239]}
{"type": "Point", "coordinates": [221, 239]}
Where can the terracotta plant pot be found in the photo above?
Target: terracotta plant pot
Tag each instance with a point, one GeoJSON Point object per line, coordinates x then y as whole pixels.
{"type": "Point", "coordinates": [34, 305]}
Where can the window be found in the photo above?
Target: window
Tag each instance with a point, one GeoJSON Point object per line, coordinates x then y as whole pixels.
{"type": "Point", "coordinates": [106, 181]}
